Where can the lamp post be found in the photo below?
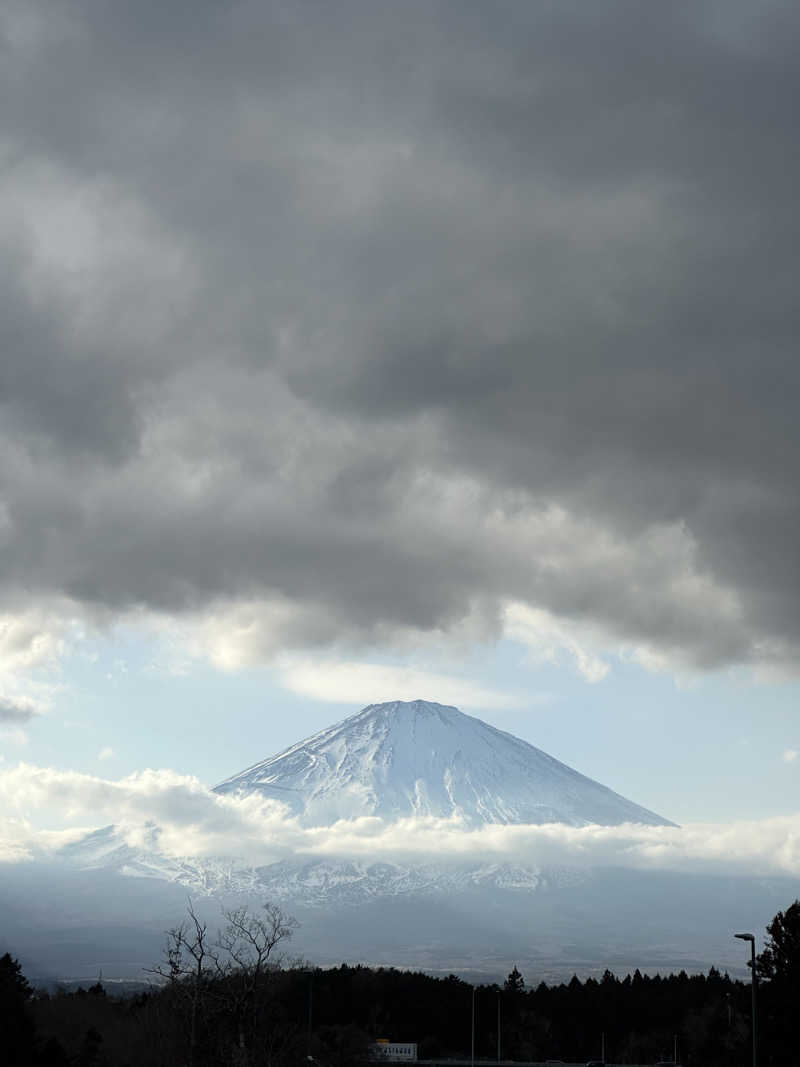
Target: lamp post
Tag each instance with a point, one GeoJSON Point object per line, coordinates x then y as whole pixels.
{"type": "Point", "coordinates": [498, 1025]}
{"type": "Point", "coordinates": [310, 973]}
{"type": "Point", "coordinates": [472, 1053]}
{"type": "Point", "coordinates": [754, 980]}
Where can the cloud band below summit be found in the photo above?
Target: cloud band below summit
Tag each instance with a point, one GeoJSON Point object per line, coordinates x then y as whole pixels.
{"type": "Point", "coordinates": [47, 809]}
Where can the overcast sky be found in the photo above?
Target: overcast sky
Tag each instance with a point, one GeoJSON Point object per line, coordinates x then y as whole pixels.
{"type": "Point", "coordinates": [363, 351]}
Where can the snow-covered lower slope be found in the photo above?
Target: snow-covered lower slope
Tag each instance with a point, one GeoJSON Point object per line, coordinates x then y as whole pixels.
{"type": "Point", "coordinates": [107, 850]}
{"type": "Point", "coordinates": [315, 883]}
{"type": "Point", "coordinates": [326, 883]}
{"type": "Point", "coordinates": [412, 758]}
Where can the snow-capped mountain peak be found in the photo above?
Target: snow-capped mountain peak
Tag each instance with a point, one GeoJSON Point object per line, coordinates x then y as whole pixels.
{"type": "Point", "coordinates": [420, 758]}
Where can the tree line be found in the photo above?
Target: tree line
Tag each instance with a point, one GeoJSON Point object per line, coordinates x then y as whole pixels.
{"type": "Point", "coordinates": [234, 998]}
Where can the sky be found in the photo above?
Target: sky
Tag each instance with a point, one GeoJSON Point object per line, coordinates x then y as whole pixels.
{"type": "Point", "coordinates": [377, 351]}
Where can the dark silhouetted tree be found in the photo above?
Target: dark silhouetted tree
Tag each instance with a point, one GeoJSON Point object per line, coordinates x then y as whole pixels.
{"type": "Point", "coordinates": [515, 983]}
{"type": "Point", "coordinates": [779, 968]}
{"type": "Point", "coordinates": [780, 960]}
{"type": "Point", "coordinates": [246, 959]}
{"type": "Point", "coordinates": [17, 1030]}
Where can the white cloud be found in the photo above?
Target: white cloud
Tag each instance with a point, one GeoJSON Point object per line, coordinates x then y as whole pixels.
{"type": "Point", "coordinates": [789, 755]}
{"type": "Point", "coordinates": [105, 753]}
{"type": "Point", "coordinates": [191, 819]}
{"type": "Point", "coordinates": [342, 682]}
{"type": "Point", "coordinates": [33, 642]}
{"type": "Point", "coordinates": [32, 638]}
{"type": "Point", "coordinates": [187, 819]}
{"type": "Point", "coordinates": [12, 852]}
{"type": "Point", "coordinates": [549, 640]}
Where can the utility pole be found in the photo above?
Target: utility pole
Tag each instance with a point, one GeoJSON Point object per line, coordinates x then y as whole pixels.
{"type": "Point", "coordinates": [754, 983]}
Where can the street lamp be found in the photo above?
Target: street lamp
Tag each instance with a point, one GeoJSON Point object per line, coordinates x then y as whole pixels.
{"type": "Point", "coordinates": [472, 1053]}
{"type": "Point", "coordinates": [310, 972]}
{"type": "Point", "coordinates": [499, 1031]}
{"type": "Point", "coordinates": [752, 940]}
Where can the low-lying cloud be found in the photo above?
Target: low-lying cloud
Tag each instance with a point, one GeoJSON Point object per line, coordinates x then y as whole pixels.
{"type": "Point", "coordinates": [183, 818]}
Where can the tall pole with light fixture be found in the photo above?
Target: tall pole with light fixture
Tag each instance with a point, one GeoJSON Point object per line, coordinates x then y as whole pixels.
{"type": "Point", "coordinates": [310, 974]}
{"type": "Point", "coordinates": [754, 981]}
{"type": "Point", "coordinates": [472, 1053]}
{"type": "Point", "coordinates": [499, 1031]}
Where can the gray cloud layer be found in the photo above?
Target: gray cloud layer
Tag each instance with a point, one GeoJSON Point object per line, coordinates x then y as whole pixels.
{"type": "Point", "coordinates": [377, 316]}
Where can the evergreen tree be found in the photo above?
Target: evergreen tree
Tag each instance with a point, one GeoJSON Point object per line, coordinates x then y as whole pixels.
{"type": "Point", "coordinates": [14, 986]}
{"type": "Point", "coordinates": [780, 960]}
{"type": "Point", "coordinates": [515, 983]}
{"type": "Point", "coordinates": [17, 1031]}
{"type": "Point", "coordinates": [779, 965]}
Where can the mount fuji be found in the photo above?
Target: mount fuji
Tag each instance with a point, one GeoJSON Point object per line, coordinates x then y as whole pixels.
{"type": "Point", "coordinates": [414, 758]}
{"type": "Point", "coordinates": [475, 916]}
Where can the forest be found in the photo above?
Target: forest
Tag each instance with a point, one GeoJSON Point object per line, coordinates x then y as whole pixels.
{"type": "Point", "coordinates": [233, 998]}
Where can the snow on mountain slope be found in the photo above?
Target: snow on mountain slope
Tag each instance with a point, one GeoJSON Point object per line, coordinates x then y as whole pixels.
{"type": "Point", "coordinates": [316, 883]}
{"type": "Point", "coordinates": [391, 760]}
{"type": "Point", "coordinates": [107, 850]}
{"type": "Point", "coordinates": [403, 759]}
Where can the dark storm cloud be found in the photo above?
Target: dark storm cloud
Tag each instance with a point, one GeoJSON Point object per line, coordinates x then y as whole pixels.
{"type": "Point", "coordinates": [51, 390]}
{"type": "Point", "coordinates": [381, 312]}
